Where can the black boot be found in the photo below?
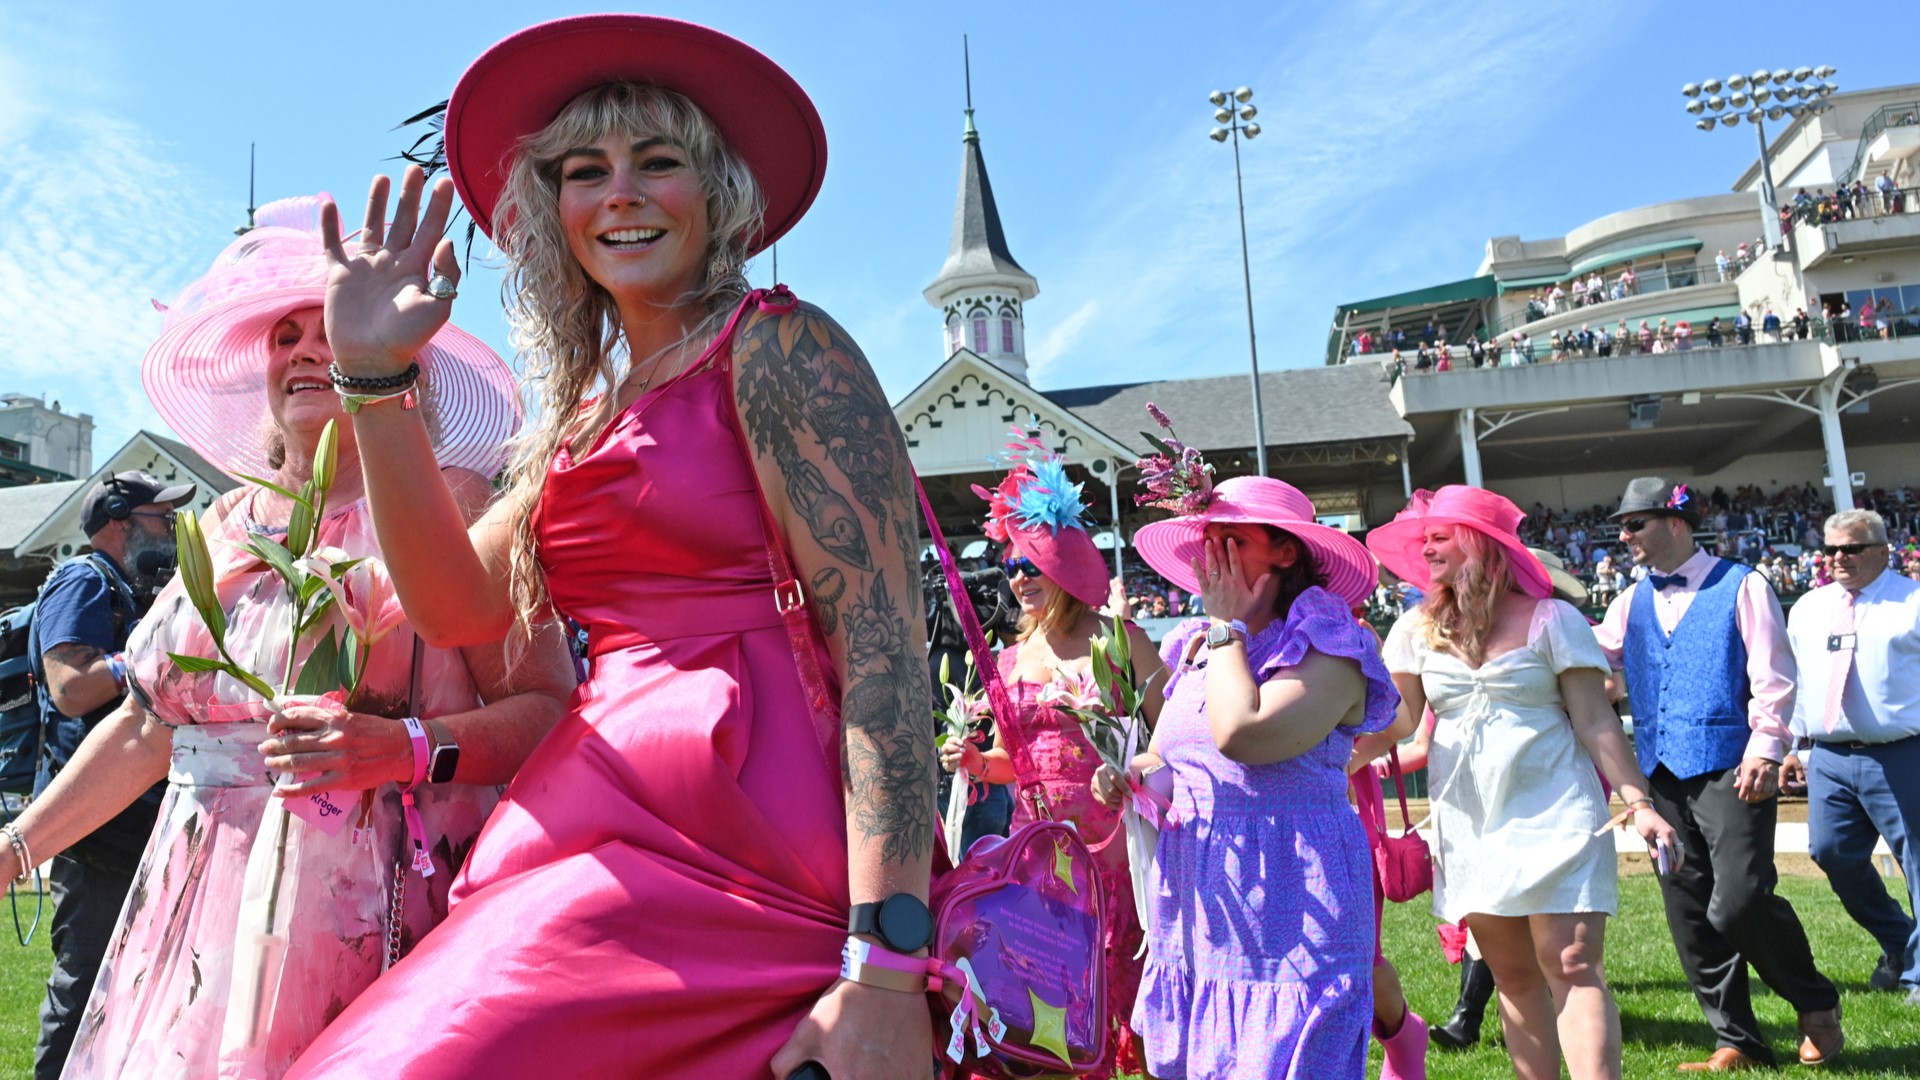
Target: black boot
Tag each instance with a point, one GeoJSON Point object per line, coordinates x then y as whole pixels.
{"type": "Point", "coordinates": [1476, 989]}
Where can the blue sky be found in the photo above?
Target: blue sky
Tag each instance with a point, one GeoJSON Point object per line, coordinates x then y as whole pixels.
{"type": "Point", "coordinates": [1398, 138]}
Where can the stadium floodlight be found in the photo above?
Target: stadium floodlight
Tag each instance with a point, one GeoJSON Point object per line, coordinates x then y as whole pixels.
{"type": "Point", "coordinates": [1691, 89]}
{"type": "Point", "coordinates": [1235, 125]}
{"type": "Point", "coordinates": [1761, 94]}
{"type": "Point", "coordinates": [1736, 81]}
{"type": "Point", "coordinates": [1824, 71]}
{"type": "Point", "coordinates": [1711, 86]}
{"type": "Point", "coordinates": [1776, 112]}
{"type": "Point", "coordinates": [1696, 106]}
{"type": "Point", "coordinates": [1707, 124]}
{"type": "Point", "coordinates": [1802, 74]}
{"type": "Point", "coordinates": [1753, 98]}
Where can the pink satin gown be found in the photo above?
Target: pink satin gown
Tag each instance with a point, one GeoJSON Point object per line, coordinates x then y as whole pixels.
{"type": "Point", "coordinates": [662, 892]}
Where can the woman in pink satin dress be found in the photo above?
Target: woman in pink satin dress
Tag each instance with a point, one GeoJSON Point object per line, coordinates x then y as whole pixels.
{"type": "Point", "coordinates": [667, 886]}
{"type": "Point", "coordinates": [1060, 581]}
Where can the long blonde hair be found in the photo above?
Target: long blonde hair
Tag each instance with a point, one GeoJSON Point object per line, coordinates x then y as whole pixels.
{"type": "Point", "coordinates": [567, 328]}
{"type": "Point", "coordinates": [1460, 614]}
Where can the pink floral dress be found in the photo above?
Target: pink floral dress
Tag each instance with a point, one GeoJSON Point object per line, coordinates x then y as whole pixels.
{"type": "Point", "coordinates": [1052, 759]}
{"type": "Point", "coordinates": [160, 1008]}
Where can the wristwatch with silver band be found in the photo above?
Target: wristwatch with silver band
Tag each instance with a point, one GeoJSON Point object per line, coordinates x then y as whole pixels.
{"type": "Point", "coordinates": [1225, 633]}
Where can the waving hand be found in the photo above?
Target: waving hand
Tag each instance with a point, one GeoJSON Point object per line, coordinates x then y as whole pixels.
{"type": "Point", "coordinates": [379, 314]}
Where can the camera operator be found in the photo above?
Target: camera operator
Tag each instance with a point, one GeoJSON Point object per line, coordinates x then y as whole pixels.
{"type": "Point", "coordinates": [81, 622]}
{"type": "Point", "coordinates": [992, 600]}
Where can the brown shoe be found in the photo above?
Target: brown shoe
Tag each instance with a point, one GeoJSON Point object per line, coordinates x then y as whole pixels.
{"type": "Point", "coordinates": [1821, 1039]}
{"type": "Point", "coordinates": [1725, 1059]}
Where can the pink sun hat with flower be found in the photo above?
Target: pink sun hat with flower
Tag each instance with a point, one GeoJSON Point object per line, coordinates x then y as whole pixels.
{"type": "Point", "coordinates": [1037, 510]}
{"type": "Point", "coordinates": [1171, 546]}
{"type": "Point", "coordinates": [207, 373]}
{"type": "Point", "coordinates": [1399, 543]}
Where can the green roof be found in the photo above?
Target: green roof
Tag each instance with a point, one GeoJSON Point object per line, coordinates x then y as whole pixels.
{"type": "Point", "coordinates": [1531, 283]}
{"type": "Point", "coordinates": [1620, 255]}
{"type": "Point", "coordinates": [1475, 288]}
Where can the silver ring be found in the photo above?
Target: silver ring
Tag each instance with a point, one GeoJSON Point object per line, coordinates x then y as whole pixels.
{"type": "Point", "coordinates": [441, 287]}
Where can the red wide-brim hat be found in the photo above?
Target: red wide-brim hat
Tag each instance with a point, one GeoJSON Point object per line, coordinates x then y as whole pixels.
{"type": "Point", "coordinates": [1171, 546]}
{"type": "Point", "coordinates": [1398, 544]}
{"type": "Point", "coordinates": [518, 86]}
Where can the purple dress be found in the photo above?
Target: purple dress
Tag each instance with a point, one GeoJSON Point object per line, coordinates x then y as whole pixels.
{"type": "Point", "coordinates": [1260, 956]}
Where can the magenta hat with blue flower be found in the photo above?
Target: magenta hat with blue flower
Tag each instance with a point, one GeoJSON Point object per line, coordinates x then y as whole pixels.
{"type": "Point", "coordinates": [1038, 510]}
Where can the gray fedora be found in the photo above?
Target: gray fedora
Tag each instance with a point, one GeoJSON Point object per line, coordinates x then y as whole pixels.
{"type": "Point", "coordinates": [1658, 495]}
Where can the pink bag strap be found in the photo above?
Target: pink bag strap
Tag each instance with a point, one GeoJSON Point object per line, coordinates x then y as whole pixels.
{"type": "Point", "coordinates": [998, 699]}
{"type": "Point", "coordinates": [1400, 787]}
{"type": "Point", "coordinates": [788, 594]}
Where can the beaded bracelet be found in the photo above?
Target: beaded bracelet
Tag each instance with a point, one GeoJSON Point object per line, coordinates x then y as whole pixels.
{"type": "Point", "coordinates": [19, 844]}
{"type": "Point", "coordinates": [373, 383]}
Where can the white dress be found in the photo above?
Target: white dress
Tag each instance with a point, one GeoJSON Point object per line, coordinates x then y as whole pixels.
{"type": "Point", "coordinates": [1516, 799]}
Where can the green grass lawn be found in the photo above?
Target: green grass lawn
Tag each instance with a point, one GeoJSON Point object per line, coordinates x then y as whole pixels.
{"type": "Point", "coordinates": [1662, 1024]}
{"type": "Point", "coordinates": [1660, 1021]}
{"type": "Point", "coordinates": [23, 985]}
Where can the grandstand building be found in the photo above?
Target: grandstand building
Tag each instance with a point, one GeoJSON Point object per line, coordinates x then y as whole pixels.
{"type": "Point", "coordinates": [1772, 411]}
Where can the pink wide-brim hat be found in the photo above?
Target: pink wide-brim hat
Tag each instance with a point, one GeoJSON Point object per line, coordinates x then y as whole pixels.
{"type": "Point", "coordinates": [1171, 546]}
{"type": "Point", "coordinates": [1398, 544]}
{"type": "Point", "coordinates": [1068, 558]}
{"type": "Point", "coordinates": [207, 373]}
{"type": "Point", "coordinates": [518, 86]}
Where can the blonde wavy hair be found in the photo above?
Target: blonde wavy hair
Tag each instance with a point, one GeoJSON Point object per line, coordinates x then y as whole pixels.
{"type": "Point", "coordinates": [566, 327]}
{"type": "Point", "coordinates": [1460, 614]}
{"type": "Point", "coordinates": [1063, 611]}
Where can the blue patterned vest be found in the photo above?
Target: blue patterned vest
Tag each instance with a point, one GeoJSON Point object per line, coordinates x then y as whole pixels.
{"type": "Point", "coordinates": [1689, 691]}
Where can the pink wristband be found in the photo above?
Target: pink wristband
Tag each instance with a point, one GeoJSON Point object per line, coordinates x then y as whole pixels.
{"type": "Point", "coordinates": [416, 828]}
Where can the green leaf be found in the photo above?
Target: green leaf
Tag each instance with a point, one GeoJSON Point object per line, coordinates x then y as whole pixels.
{"type": "Point", "coordinates": [301, 522]}
{"type": "Point", "coordinates": [271, 553]}
{"type": "Point", "coordinates": [1158, 443]}
{"type": "Point", "coordinates": [317, 611]}
{"type": "Point", "coordinates": [1122, 648]}
{"type": "Point", "coordinates": [197, 664]}
{"type": "Point", "coordinates": [321, 672]}
{"type": "Point", "coordinates": [349, 661]}
{"type": "Point", "coordinates": [269, 485]}
{"type": "Point", "coordinates": [946, 669]}
{"type": "Point", "coordinates": [311, 585]}
{"type": "Point", "coordinates": [1103, 678]}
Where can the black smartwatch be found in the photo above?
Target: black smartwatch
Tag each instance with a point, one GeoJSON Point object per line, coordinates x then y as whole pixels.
{"type": "Point", "coordinates": [444, 759]}
{"type": "Point", "coordinates": [901, 921]}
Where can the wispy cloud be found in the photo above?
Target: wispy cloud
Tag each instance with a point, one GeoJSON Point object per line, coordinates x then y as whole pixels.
{"type": "Point", "coordinates": [1364, 104]}
{"type": "Point", "coordinates": [1060, 339]}
{"type": "Point", "coordinates": [98, 221]}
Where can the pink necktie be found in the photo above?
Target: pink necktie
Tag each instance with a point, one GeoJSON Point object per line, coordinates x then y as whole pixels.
{"type": "Point", "coordinates": [1839, 659]}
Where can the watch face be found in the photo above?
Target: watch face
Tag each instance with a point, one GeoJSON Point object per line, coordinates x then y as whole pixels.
{"type": "Point", "coordinates": [446, 762]}
{"type": "Point", "coordinates": [905, 922]}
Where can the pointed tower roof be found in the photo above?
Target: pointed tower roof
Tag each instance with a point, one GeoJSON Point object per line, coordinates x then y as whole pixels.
{"type": "Point", "coordinates": [977, 255]}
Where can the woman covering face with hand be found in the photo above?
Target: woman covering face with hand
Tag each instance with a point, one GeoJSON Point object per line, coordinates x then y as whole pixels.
{"type": "Point", "coordinates": [747, 775]}
{"type": "Point", "coordinates": [1262, 942]}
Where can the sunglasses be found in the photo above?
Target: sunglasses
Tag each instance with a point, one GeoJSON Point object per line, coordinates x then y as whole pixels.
{"type": "Point", "coordinates": [1847, 549]}
{"type": "Point", "coordinates": [1632, 526]}
{"type": "Point", "coordinates": [166, 517]}
{"type": "Point", "coordinates": [1022, 565]}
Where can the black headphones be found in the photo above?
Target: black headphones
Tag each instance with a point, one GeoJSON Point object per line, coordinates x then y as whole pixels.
{"type": "Point", "coordinates": [116, 504]}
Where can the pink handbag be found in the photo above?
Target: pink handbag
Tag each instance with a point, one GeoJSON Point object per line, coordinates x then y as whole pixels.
{"type": "Point", "coordinates": [1018, 932]}
{"type": "Point", "coordinates": [1404, 863]}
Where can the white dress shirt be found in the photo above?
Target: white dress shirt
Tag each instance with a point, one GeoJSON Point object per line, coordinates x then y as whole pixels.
{"type": "Point", "coordinates": [1757, 614]}
{"type": "Point", "coordinates": [1881, 702]}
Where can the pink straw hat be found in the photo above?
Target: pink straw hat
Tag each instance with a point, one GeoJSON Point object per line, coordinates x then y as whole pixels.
{"type": "Point", "coordinates": [518, 86]}
{"type": "Point", "coordinates": [1398, 544]}
{"type": "Point", "coordinates": [207, 374]}
{"type": "Point", "coordinates": [1038, 511]}
{"type": "Point", "coordinates": [1171, 546]}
